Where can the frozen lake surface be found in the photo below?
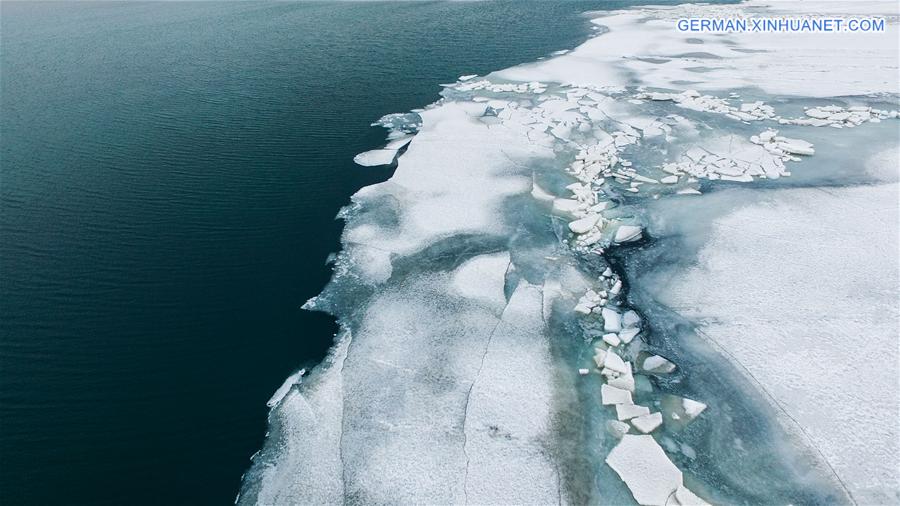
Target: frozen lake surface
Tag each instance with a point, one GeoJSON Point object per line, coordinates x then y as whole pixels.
{"type": "Point", "coordinates": [801, 291]}
{"type": "Point", "coordinates": [607, 278]}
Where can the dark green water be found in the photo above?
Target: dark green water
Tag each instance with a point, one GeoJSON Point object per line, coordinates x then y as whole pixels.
{"type": "Point", "coordinates": [169, 178]}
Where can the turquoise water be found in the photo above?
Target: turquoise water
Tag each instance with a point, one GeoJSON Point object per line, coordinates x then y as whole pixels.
{"type": "Point", "coordinates": [170, 177]}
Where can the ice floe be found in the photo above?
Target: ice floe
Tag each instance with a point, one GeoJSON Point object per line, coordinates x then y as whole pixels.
{"type": "Point", "coordinates": [647, 423]}
{"type": "Point", "coordinates": [375, 157]}
{"type": "Point", "coordinates": [644, 467]}
{"type": "Point", "coordinates": [612, 395]}
{"type": "Point", "coordinates": [629, 411]}
{"type": "Point", "coordinates": [657, 364]}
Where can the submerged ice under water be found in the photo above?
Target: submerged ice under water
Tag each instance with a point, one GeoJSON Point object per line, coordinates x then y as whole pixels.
{"type": "Point", "coordinates": [491, 350]}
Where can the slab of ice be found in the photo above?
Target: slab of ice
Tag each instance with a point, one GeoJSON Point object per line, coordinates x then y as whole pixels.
{"type": "Point", "coordinates": [657, 364]}
{"type": "Point", "coordinates": [628, 411]}
{"type": "Point", "coordinates": [628, 233]}
{"type": "Point", "coordinates": [796, 146]}
{"type": "Point", "coordinates": [692, 408]}
{"type": "Point", "coordinates": [611, 339]}
{"type": "Point", "coordinates": [626, 335]}
{"type": "Point", "coordinates": [647, 423]}
{"type": "Point", "coordinates": [612, 395]}
{"type": "Point", "coordinates": [375, 157]}
{"type": "Point", "coordinates": [644, 467]}
{"type": "Point", "coordinates": [624, 381]}
{"type": "Point", "coordinates": [630, 319]}
{"type": "Point", "coordinates": [615, 362]}
{"type": "Point", "coordinates": [584, 224]}
{"type": "Point", "coordinates": [680, 411]}
{"type": "Point", "coordinates": [599, 357]}
{"type": "Point", "coordinates": [611, 320]}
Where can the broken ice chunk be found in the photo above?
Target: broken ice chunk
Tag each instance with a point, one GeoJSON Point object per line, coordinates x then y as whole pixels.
{"type": "Point", "coordinates": [584, 224]}
{"type": "Point", "coordinates": [628, 233]}
{"type": "Point", "coordinates": [692, 408]}
{"type": "Point", "coordinates": [375, 157]}
{"type": "Point", "coordinates": [565, 206]}
{"type": "Point", "coordinates": [796, 146]}
{"type": "Point", "coordinates": [768, 135]}
{"type": "Point", "coordinates": [646, 470]}
{"type": "Point", "coordinates": [624, 381]}
{"type": "Point", "coordinates": [628, 411]}
{"type": "Point", "coordinates": [617, 286]}
{"type": "Point", "coordinates": [612, 395]}
{"type": "Point", "coordinates": [599, 357]}
{"type": "Point", "coordinates": [584, 307]}
{"type": "Point", "coordinates": [611, 339]}
{"type": "Point", "coordinates": [817, 113]}
{"type": "Point", "coordinates": [615, 363]}
{"type": "Point", "coordinates": [630, 319]}
{"type": "Point", "coordinates": [657, 364]}
{"type": "Point", "coordinates": [679, 411]}
{"type": "Point", "coordinates": [628, 334]}
{"type": "Point", "coordinates": [647, 423]}
{"type": "Point", "coordinates": [611, 320]}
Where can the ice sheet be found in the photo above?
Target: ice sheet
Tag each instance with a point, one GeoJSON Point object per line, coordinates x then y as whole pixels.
{"type": "Point", "coordinates": [508, 414]}
{"type": "Point", "coordinates": [810, 276]}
